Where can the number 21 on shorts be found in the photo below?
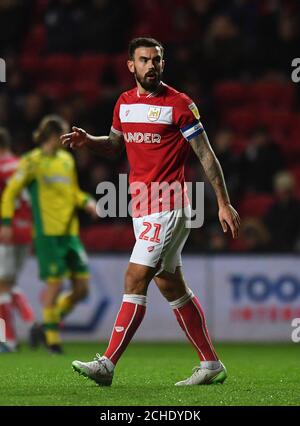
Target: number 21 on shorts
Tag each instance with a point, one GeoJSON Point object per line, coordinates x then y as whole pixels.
{"type": "Point", "coordinates": [148, 228]}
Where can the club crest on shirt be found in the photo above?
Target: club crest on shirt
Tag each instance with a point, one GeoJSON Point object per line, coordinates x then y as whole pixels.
{"type": "Point", "coordinates": [194, 110]}
{"type": "Point", "coordinates": [154, 113]}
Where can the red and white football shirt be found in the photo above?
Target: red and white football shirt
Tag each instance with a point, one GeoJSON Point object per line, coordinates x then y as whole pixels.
{"type": "Point", "coordinates": [22, 222]}
{"type": "Point", "coordinates": [156, 128]}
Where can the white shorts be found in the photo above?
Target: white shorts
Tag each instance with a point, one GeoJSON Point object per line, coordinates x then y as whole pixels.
{"type": "Point", "coordinates": [12, 258]}
{"type": "Point", "coordinates": [160, 238]}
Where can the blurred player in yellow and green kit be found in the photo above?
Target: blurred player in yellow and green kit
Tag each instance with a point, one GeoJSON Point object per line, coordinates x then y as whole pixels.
{"type": "Point", "coordinates": [49, 173]}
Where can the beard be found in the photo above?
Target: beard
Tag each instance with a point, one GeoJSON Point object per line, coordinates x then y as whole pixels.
{"type": "Point", "coordinates": [147, 83]}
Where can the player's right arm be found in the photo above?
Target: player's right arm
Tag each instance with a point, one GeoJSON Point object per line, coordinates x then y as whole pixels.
{"type": "Point", "coordinates": [111, 145]}
{"type": "Point", "coordinates": [19, 180]}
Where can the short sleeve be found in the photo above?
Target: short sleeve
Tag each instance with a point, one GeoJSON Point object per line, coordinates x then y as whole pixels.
{"type": "Point", "coordinates": [116, 124]}
{"type": "Point", "coordinates": [187, 117]}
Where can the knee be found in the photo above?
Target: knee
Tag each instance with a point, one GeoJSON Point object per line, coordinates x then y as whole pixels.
{"type": "Point", "coordinates": [81, 290]}
{"type": "Point", "coordinates": [172, 290]}
{"type": "Point", "coordinates": [51, 294]}
{"type": "Point", "coordinates": [135, 284]}
{"type": "Point", "coordinates": [84, 290]}
{"type": "Point", "coordinates": [169, 292]}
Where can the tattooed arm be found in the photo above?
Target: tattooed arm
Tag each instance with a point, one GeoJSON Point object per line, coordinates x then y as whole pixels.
{"type": "Point", "coordinates": [228, 216]}
{"type": "Point", "coordinates": [111, 145]}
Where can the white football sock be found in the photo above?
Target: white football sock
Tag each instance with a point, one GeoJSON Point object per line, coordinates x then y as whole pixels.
{"type": "Point", "coordinates": [176, 304]}
{"type": "Point", "coordinates": [109, 365]}
{"type": "Point", "coordinates": [210, 365]}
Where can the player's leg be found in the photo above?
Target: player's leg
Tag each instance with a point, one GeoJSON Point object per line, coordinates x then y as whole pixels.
{"type": "Point", "coordinates": [7, 314]}
{"type": "Point", "coordinates": [188, 312]}
{"type": "Point", "coordinates": [144, 264]}
{"type": "Point", "coordinates": [184, 303]}
{"type": "Point", "coordinates": [191, 319]}
{"type": "Point", "coordinates": [129, 318]}
{"type": "Point", "coordinates": [132, 310]}
{"type": "Point", "coordinates": [7, 272]}
{"type": "Point", "coordinates": [140, 271]}
{"type": "Point", "coordinates": [77, 263]}
{"type": "Point", "coordinates": [51, 268]}
{"type": "Point", "coordinates": [153, 234]}
{"type": "Point", "coordinates": [51, 315]}
{"type": "Point", "coordinates": [68, 299]}
{"type": "Point", "coordinates": [22, 305]}
{"type": "Point", "coordinates": [20, 301]}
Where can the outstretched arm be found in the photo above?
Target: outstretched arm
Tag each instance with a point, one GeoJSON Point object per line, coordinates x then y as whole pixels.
{"type": "Point", "coordinates": [111, 145]}
{"type": "Point", "coordinates": [228, 216]}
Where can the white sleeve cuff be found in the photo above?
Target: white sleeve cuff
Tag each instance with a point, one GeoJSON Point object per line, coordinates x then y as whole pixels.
{"type": "Point", "coordinates": [117, 132]}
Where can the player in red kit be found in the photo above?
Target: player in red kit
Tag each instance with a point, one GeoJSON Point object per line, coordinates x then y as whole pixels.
{"type": "Point", "coordinates": [13, 252]}
{"type": "Point", "coordinates": [158, 126]}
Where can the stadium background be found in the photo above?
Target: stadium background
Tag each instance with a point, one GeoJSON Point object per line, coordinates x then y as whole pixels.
{"type": "Point", "coordinates": [233, 58]}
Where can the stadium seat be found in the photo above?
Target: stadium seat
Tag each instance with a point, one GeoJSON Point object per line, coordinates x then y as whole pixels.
{"type": "Point", "coordinates": [59, 67]}
{"type": "Point", "coordinates": [90, 90]}
{"type": "Point", "coordinates": [295, 146]}
{"type": "Point", "coordinates": [276, 120]}
{"type": "Point", "coordinates": [35, 42]}
{"type": "Point", "coordinates": [31, 64]}
{"type": "Point", "coordinates": [230, 93]}
{"type": "Point", "coordinates": [242, 120]}
{"type": "Point", "coordinates": [272, 93]}
{"type": "Point", "coordinates": [91, 66]}
{"type": "Point", "coordinates": [255, 205]}
{"type": "Point", "coordinates": [54, 90]}
{"type": "Point", "coordinates": [118, 64]}
{"type": "Point", "coordinates": [291, 154]}
{"type": "Point", "coordinates": [295, 129]}
{"type": "Point", "coordinates": [105, 238]}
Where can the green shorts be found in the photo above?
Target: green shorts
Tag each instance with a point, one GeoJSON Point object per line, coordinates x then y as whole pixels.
{"type": "Point", "coordinates": [60, 256]}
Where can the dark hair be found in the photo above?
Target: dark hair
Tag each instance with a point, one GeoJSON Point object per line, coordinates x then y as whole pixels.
{"type": "Point", "coordinates": [51, 124]}
{"type": "Point", "coordinates": [5, 139]}
{"type": "Point", "coordinates": [143, 42]}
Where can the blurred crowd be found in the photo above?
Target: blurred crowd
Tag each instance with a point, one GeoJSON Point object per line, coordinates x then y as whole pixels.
{"type": "Point", "coordinates": [232, 57]}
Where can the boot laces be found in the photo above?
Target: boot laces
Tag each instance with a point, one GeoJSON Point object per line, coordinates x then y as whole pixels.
{"type": "Point", "coordinates": [101, 363]}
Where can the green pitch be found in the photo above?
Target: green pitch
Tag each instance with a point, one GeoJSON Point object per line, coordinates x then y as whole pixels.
{"type": "Point", "coordinates": [257, 375]}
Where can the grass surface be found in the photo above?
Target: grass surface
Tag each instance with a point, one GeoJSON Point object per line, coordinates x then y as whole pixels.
{"type": "Point", "coordinates": [257, 375]}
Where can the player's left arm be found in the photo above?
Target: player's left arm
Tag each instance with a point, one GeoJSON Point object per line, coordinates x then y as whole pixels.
{"type": "Point", "coordinates": [228, 216]}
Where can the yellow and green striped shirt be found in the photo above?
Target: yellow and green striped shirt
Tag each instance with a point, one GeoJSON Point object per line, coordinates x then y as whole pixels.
{"type": "Point", "coordinates": [54, 192]}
